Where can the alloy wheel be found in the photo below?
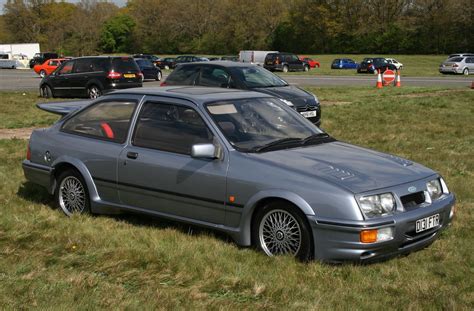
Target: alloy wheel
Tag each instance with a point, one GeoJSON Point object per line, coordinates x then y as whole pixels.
{"type": "Point", "coordinates": [72, 196]}
{"type": "Point", "coordinates": [279, 233]}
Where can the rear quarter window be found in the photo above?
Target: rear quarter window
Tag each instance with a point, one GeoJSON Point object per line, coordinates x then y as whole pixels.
{"type": "Point", "coordinates": [108, 120]}
{"type": "Point", "coordinates": [184, 75]}
{"type": "Point", "coordinates": [124, 64]}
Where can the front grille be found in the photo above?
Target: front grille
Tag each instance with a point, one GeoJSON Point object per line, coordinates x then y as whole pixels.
{"type": "Point", "coordinates": [306, 108]}
{"type": "Point", "coordinates": [411, 201]}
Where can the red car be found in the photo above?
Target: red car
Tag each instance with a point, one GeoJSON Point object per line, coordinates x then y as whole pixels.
{"type": "Point", "coordinates": [48, 66]}
{"type": "Point", "coordinates": [311, 63]}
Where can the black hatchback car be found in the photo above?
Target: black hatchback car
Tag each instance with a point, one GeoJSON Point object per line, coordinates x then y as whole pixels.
{"type": "Point", "coordinates": [91, 77]}
{"type": "Point", "coordinates": [373, 65]}
{"type": "Point", "coordinates": [247, 77]}
{"type": "Point", "coordinates": [284, 62]}
{"type": "Point", "coordinates": [40, 58]}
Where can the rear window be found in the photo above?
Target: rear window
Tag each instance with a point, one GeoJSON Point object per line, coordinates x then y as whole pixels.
{"type": "Point", "coordinates": [456, 59]}
{"type": "Point", "coordinates": [124, 64]}
{"type": "Point", "coordinates": [184, 75]}
{"type": "Point", "coordinates": [144, 63]}
{"type": "Point", "coordinates": [270, 56]}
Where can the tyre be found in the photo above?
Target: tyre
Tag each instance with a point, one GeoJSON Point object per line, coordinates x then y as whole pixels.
{"type": "Point", "coordinates": [94, 92]}
{"type": "Point", "coordinates": [42, 73]}
{"type": "Point", "coordinates": [167, 67]}
{"type": "Point", "coordinates": [280, 228]}
{"type": "Point", "coordinates": [71, 194]}
{"type": "Point", "coordinates": [285, 68]}
{"type": "Point", "coordinates": [158, 76]}
{"type": "Point", "coordinates": [465, 72]}
{"type": "Point", "coordinates": [306, 68]}
{"type": "Point", "coordinates": [46, 92]}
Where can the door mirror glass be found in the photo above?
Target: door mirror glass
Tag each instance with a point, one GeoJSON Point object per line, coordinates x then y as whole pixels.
{"type": "Point", "coordinates": [204, 151]}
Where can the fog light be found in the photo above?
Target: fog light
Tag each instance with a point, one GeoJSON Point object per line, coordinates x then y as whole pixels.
{"type": "Point", "coordinates": [376, 235]}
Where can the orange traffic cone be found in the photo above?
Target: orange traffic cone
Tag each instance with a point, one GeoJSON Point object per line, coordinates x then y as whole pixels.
{"type": "Point", "coordinates": [399, 83]}
{"type": "Point", "coordinates": [379, 80]}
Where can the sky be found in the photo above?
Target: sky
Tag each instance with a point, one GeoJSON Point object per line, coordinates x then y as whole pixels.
{"type": "Point", "coordinates": [117, 2]}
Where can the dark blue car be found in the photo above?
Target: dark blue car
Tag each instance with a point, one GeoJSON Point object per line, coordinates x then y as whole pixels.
{"type": "Point", "coordinates": [343, 63]}
{"type": "Point", "coordinates": [148, 69]}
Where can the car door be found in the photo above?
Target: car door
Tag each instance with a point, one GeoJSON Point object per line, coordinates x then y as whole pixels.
{"type": "Point", "coordinates": [295, 63]}
{"type": "Point", "coordinates": [97, 136]}
{"type": "Point", "coordinates": [80, 77]}
{"type": "Point", "coordinates": [156, 171]}
{"type": "Point", "coordinates": [470, 64]}
{"type": "Point", "coordinates": [60, 82]}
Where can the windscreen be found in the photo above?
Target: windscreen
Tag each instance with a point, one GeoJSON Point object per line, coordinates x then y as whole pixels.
{"type": "Point", "coordinates": [255, 77]}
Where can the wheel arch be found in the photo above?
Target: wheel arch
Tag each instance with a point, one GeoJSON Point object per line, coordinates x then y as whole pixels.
{"type": "Point", "coordinates": [261, 199]}
{"type": "Point", "coordinates": [66, 162]}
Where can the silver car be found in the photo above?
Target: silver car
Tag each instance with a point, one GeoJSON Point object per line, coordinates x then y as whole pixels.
{"type": "Point", "coordinates": [458, 65]}
{"type": "Point", "coordinates": [240, 162]}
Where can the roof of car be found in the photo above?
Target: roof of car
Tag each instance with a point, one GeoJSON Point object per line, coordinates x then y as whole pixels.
{"type": "Point", "coordinates": [194, 93]}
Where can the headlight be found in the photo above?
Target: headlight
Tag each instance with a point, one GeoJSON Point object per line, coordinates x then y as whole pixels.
{"type": "Point", "coordinates": [434, 189]}
{"type": "Point", "coordinates": [289, 103]}
{"type": "Point", "coordinates": [377, 205]}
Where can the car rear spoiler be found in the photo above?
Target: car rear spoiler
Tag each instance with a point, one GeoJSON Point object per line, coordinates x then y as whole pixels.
{"type": "Point", "coordinates": [63, 108]}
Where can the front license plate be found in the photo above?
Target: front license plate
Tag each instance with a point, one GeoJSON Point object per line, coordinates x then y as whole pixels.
{"type": "Point", "coordinates": [129, 75]}
{"type": "Point", "coordinates": [309, 114]}
{"type": "Point", "coordinates": [427, 223]}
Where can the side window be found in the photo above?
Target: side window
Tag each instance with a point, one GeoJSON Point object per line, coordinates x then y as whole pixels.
{"type": "Point", "coordinates": [106, 120]}
{"type": "Point", "coordinates": [53, 63]}
{"type": "Point", "coordinates": [287, 58]}
{"type": "Point", "coordinates": [170, 128]}
{"type": "Point", "coordinates": [99, 64]}
{"type": "Point", "coordinates": [82, 65]}
{"type": "Point", "coordinates": [470, 60]}
{"type": "Point", "coordinates": [67, 68]}
{"type": "Point", "coordinates": [216, 77]}
{"type": "Point", "coordinates": [294, 58]}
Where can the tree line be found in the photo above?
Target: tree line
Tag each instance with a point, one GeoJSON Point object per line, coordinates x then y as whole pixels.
{"type": "Point", "coordinates": [227, 26]}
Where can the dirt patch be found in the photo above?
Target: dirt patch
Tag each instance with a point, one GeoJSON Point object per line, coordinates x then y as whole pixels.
{"type": "Point", "coordinates": [21, 133]}
{"type": "Point", "coordinates": [431, 94]}
{"type": "Point", "coordinates": [334, 103]}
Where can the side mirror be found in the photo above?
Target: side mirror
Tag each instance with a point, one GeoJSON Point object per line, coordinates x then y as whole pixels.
{"type": "Point", "coordinates": [205, 151]}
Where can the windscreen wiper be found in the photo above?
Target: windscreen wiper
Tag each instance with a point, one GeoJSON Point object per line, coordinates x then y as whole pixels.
{"type": "Point", "coordinates": [275, 143]}
{"type": "Point", "coordinates": [317, 138]}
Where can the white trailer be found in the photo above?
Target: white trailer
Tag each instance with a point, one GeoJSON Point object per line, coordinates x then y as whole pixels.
{"type": "Point", "coordinates": [254, 57]}
{"type": "Point", "coordinates": [28, 49]}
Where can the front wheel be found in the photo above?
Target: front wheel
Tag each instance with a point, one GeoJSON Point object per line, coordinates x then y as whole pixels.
{"type": "Point", "coordinates": [167, 67]}
{"type": "Point", "coordinates": [158, 76]}
{"type": "Point", "coordinates": [465, 72]}
{"type": "Point", "coordinates": [306, 68]}
{"type": "Point", "coordinates": [94, 92]}
{"type": "Point", "coordinates": [42, 73]}
{"type": "Point", "coordinates": [281, 229]}
{"type": "Point", "coordinates": [71, 194]}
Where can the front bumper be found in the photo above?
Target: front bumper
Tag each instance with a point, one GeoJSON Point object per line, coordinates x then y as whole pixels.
{"type": "Point", "coordinates": [337, 241]}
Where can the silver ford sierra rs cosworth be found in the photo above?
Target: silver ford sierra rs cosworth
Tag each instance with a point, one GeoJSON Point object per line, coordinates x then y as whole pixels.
{"type": "Point", "coordinates": [241, 162]}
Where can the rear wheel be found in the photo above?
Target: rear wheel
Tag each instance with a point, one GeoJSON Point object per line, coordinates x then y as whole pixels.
{"type": "Point", "coordinates": [46, 91]}
{"type": "Point", "coordinates": [71, 194]}
{"type": "Point", "coordinates": [42, 73]}
{"type": "Point", "coordinates": [167, 67]}
{"type": "Point", "coordinates": [280, 228]}
{"type": "Point", "coordinates": [465, 72]}
{"type": "Point", "coordinates": [306, 68]}
{"type": "Point", "coordinates": [285, 68]}
{"type": "Point", "coordinates": [94, 92]}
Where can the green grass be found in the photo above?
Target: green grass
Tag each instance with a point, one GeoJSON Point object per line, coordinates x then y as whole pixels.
{"type": "Point", "coordinates": [18, 109]}
{"type": "Point", "coordinates": [136, 262]}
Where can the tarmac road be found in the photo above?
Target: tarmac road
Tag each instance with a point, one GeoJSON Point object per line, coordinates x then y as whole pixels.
{"type": "Point", "coordinates": [28, 80]}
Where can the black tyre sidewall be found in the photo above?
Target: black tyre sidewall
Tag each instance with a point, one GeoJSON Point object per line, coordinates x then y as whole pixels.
{"type": "Point", "coordinates": [61, 176]}
{"type": "Point", "coordinates": [306, 250]}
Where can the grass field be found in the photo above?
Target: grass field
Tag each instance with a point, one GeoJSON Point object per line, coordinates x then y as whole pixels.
{"type": "Point", "coordinates": [48, 261]}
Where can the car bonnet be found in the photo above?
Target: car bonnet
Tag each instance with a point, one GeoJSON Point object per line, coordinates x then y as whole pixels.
{"type": "Point", "coordinates": [351, 167]}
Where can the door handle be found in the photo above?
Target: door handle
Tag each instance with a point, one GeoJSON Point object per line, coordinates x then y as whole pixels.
{"type": "Point", "coordinates": [132, 155]}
